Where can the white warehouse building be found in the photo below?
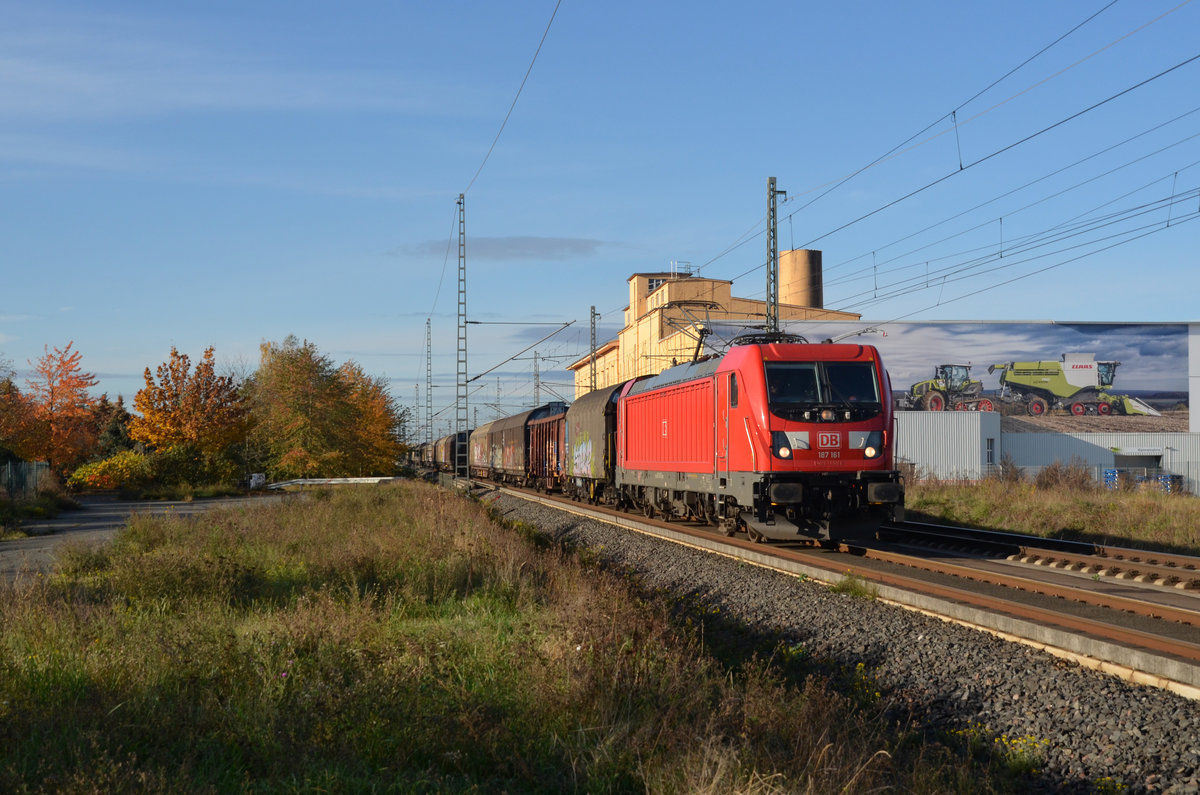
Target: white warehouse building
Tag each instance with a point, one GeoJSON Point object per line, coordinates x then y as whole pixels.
{"type": "Point", "coordinates": [969, 445]}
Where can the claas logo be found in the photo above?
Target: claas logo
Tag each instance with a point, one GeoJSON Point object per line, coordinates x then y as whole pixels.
{"type": "Point", "coordinates": [826, 439]}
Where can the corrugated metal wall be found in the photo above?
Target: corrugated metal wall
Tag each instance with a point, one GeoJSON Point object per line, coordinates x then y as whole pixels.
{"type": "Point", "coordinates": [1194, 377]}
{"type": "Point", "coordinates": [1177, 453]}
{"type": "Point", "coordinates": [954, 445]}
{"type": "Point", "coordinates": [950, 445]}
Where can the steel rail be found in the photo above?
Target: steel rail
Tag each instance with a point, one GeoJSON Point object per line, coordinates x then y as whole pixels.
{"type": "Point", "coordinates": [1089, 596]}
{"type": "Point", "coordinates": [1180, 571]}
{"type": "Point", "coordinates": [1030, 543]}
{"type": "Point", "coordinates": [762, 555]}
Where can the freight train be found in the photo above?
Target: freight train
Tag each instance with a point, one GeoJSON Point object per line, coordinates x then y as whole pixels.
{"type": "Point", "coordinates": [776, 437]}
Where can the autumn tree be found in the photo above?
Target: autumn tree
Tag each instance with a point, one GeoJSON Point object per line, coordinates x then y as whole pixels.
{"type": "Point", "coordinates": [189, 410]}
{"type": "Point", "coordinates": [59, 427]}
{"type": "Point", "coordinates": [300, 411]}
{"type": "Point", "coordinates": [14, 414]}
{"type": "Point", "coordinates": [374, 444]}
{"type": "Point", "coordinates": [314, 419]}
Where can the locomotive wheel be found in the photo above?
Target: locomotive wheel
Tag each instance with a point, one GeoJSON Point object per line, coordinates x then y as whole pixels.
{"type": "Point", "coordinates": [1037, 407]}
{"type": "Point", "coordinates": [986, 405]}
{"type": "Point", "coordinates": [934, 401]}
{"type": "Point", "coordinates": [1104, 409]}
{"type": "Point", "coordinates": [1078, 409]}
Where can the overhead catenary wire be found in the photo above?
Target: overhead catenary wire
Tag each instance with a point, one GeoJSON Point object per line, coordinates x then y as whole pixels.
{"type": "Point", "coordinates": [975, 267]}
{"type": "Point", "coordinates": [996, 153]}
{"type": "Point", "coordinates": [857, 274]}
{"type": "Point", "coordinates": [495, 140]}
{"type": "Point", "coordinates": [512, 106]}
{"type": "Point", "coordinates": [831, 186]}
{"type": "Point", "coordinates": [1008, 147]}
{"type": "Point", "coordinates": [953, 114]}
{"type": "Point", "coordinates": [1029, 242]}
{"type": "Point", "coordinates": [1147, 231]}
{"type": "Point", "coordinates": [1029, 184]}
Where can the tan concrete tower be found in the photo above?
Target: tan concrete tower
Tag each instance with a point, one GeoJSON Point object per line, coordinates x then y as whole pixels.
{"type": "Point", "coordinates": [800, 282]}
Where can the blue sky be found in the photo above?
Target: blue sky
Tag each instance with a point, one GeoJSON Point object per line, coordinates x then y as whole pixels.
{"type": "Point", "coordinates": [224, 174]}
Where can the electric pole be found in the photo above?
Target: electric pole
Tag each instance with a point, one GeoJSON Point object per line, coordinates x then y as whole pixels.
{"type": "Point", "coordinates": [537, 381]}
{"type": "Point", "coordinates": [460, 458]}
{"type": "Point", "coordinates": [772, 256]}
{"type": "Point", "coordinates": [428, 383]}
{"type": "Point", "coordinates": [592, 384]}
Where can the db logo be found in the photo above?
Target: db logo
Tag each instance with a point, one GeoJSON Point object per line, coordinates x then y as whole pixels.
{"type": "Point", "coordinates": [827, 440]}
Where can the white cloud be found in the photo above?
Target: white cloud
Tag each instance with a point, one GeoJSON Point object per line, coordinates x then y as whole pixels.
{"type": "Point", "coordinates": [101, 66]}
{"type": "Point", "coordinates": [50, 151]}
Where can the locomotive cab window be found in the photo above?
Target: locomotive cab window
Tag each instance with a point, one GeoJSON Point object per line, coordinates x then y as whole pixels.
{"type": "Point", "coordinates": [795, 390]}
{"type": "Point", "coordinates": [793, 383]}
{"type": "Point", "coordinates": [852, 382]}
{"type": "Point", "coordinates": [733, 395]}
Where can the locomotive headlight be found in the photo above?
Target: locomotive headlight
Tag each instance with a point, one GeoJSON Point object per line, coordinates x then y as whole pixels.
{"type": "Point", "coordinates": [828, 415]}
{"type": "Point", "coordinates": [873, 444]}
{"type": "Point", "coordinates": [781, 445]}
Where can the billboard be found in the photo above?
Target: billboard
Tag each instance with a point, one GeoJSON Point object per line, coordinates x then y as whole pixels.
{"type": "Point", "coordinates": [1152, 367]}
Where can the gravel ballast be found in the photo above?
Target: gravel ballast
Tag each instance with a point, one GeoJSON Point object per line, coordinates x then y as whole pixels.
{"type": "Point", "coordinates": [948, 676]}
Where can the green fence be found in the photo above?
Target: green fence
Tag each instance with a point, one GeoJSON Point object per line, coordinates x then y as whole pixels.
{"type": "Point", "coordinates": [20, 479]}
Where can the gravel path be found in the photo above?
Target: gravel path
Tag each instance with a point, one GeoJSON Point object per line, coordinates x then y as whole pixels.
{"type": "Point", "coordinates": [1096, 726]}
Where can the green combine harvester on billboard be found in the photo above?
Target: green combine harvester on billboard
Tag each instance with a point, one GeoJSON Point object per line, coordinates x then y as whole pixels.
{"type": "Point", "coordinates": [1078, 383]}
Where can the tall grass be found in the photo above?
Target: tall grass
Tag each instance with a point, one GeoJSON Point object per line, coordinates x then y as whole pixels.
{"type": "Point", "coordinates": [49, 501]}
{"type": "Point", "coordinates": [400, 639]}
{"type": "Point", "coordinates": [1062, 500]}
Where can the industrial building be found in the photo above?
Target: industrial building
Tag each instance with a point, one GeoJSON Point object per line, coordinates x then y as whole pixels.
{"type": "Point", "coordinates": [970, 445]}
{"type": "Point", "coordinates": [669, 313]}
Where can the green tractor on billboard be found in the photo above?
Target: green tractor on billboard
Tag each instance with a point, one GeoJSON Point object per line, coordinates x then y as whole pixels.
{"type": "Point", "coordinates": [1078, 383]}
{"type": "Point", "coordinates": [951, 388]}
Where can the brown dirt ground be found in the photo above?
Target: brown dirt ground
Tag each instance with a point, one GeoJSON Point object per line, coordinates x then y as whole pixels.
{"type": "Point", "coordinates": [1174, 421]}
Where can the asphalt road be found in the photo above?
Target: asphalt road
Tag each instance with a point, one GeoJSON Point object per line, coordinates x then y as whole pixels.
{"type": "Point", "coordinates": [96, 522]}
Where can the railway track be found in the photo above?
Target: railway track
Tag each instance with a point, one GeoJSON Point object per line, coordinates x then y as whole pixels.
{"type": "Point", "coordinates": [1103, 561]}
{"type": "Point", "coordinates": [1133, 581]}
{"type": "Point", "coordinates": [1076, 600]}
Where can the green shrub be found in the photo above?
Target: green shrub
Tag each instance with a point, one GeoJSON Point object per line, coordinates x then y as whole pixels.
{"type": "Point", "coordinates": [124, 470]}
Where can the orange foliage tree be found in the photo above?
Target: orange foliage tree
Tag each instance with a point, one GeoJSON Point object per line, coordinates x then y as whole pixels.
{"type": "Point", "coordinates": [14, 415]}
{"type": "Point", "coordinates": [59, 427]}
{"type": "Point", "coordinates": [300, 411]}
{"type": "Point", "coordinates": [314, 419]}
{"type": "Point", "coordinates": [374, 445]}
{"type": "Point", "coordinates": [189, 408]}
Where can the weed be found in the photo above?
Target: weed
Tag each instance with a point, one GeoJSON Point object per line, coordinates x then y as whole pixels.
{"type": "Point", "coordinates": [1102, 516]}
{"type": "Point", "coordinates": [853, 585]}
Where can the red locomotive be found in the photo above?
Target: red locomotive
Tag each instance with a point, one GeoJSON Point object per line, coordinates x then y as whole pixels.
{"type": "Point", "coordinates": [777, 438]}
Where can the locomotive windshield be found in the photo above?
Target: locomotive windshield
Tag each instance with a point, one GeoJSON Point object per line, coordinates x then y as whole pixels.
{"type": "Point", "coordinates": [794, 388]}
